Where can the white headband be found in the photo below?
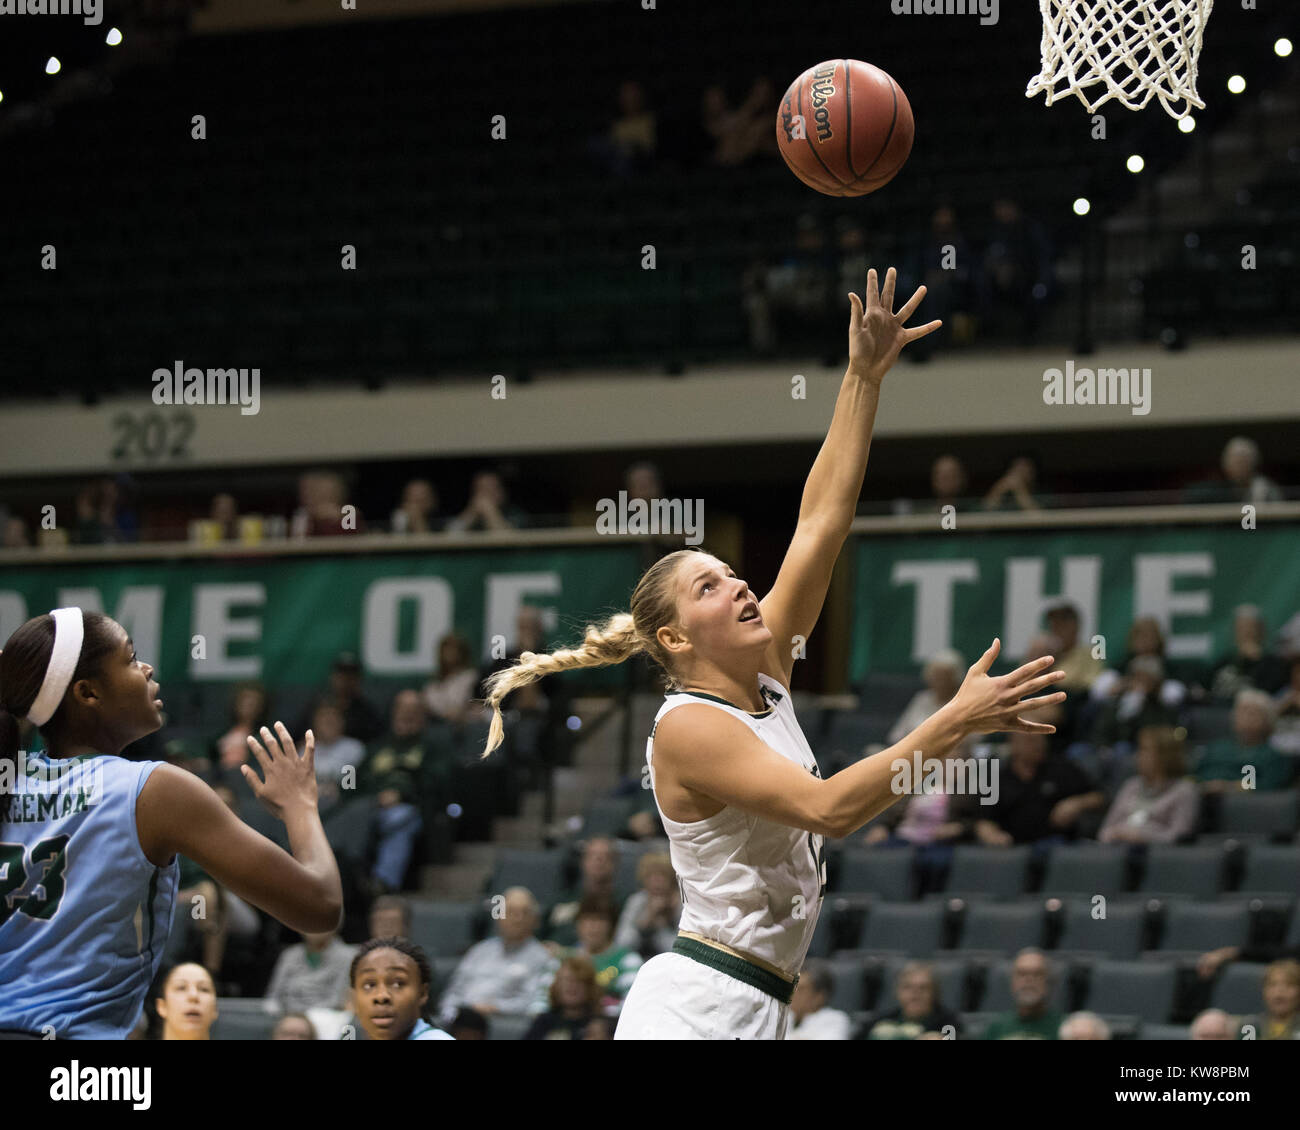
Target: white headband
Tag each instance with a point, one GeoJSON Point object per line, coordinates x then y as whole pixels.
{"type": "Point", "coordinates": [69, 631]}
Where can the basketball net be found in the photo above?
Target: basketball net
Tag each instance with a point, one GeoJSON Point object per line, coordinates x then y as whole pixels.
{"type": "Point", "coordinates": [1135, 49]}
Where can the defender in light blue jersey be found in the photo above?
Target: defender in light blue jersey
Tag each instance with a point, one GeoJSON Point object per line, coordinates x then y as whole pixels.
{"type": "Point", "coordinates": [89, 839]}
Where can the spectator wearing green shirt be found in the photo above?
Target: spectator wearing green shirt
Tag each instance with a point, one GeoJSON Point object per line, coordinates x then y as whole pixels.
{"type": "Point", "coordinates": [1225, 761]}
{"type": "Point", "coordinates": [1032, 1018]}
{"type": "Point", "coordinates": [616, 966]}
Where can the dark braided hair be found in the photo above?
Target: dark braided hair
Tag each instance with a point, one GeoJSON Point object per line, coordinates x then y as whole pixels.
{"type": "Point", "coordinates": [22, 670]}
{"type": "Point", "coordinates": [403, 946]}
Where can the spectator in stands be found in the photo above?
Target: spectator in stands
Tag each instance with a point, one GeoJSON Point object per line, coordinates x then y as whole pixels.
{"type": "Point", "coordinates": [1137, 705]}
{"type": "Point", "coordinates": [599, 866]}
{"type": "Point", "coordinates": [1145, 637]}
{"type": "Point", "coordinates": [294, 1026]}
{"type": "Point", "coordinates": [1286, 704]}
{"type": "Point", "coordinates": [312, 973]}
{"type": "Point", "coordinates": [468, 1024]}
{"type": "Point", "coordinates": [324, 510]}
{"type": "Point", "coordinates": [488, 507]}
{"type": "Point", "coordinates": [919, 1012]}
{"type": "Point", "coordinates": [643, 481]}
{"type": "Point", "coordinates": [508, 973]}
{"type": "Point", "coordinates": [418, 513]}
{"type": "Point", "coordinates": [542, 706]}
{"type": "Point", "coordinates": [1280, 1019]}
{"type": "Point", "coordinates": [599, 1028]}
{"type": "Point", "coordinates": [1084, 1026]}
{"type": "Point", "coordinates": [1076, 659]}
{"type": "Point", "coordinates": [187, 1003]}
{"type": "Point", "coordinates": [335, 751]}
{"type": "Point", "coordinates": [1032, 1018]}
{"type": "Point", "coordinates": [1016, 279]}
{"type": "Point", "coordinates": [628, 145]}
{"type": "Point", "coordinates": [811, 1018]}
{"type": "Point", "coordinates": [225, 513]}
{"type": "Point", "coordinates": [15, 533]}
{"type": "Point", "coordinates": [948, 482]}
{"type": "Point", "coordinates": [1212, 1024]}
{"type": "Point", "coordinates": [854, 259]}
{"type": "Point", "coordinates": [210, 914]}
{"type": "Point", "coordinates": [450, 693]}
{"type": "Point", "coordinates": [1224, 764]}
{"type": "Point", "coordinates": [650, 917]}
{"type": "Point", "coordinates": [406, 773]}
{"type": "Point", "coordinates": [942, 260]}
{"type": "Point", "coordinates": [943, 676]}
{"type": "Point", "coordinates": [249, 712]}
{"type": "Point", "coordinates": [390, 917]}
{"type": "Point", "coordinates": [744, 133]}
{"type": "Point", "coordinates": [360, 718]}
{"type": "Point", "coordinates": [100, 520]}
{"type": "Point", "coordinates": [1014, 489]}
{"type": "Point", "coordinates": [1041, 800]}
{"type": "Point", "coordinates": [1242, 480]}
{"type": "Point", "coordinates": [575, 1000]}
{"type": "Point", "coordinates": [390, 980]}
{"type": "Point", "coordinates": [1157, 805]}
{"type": "Point", "coordinates": [1249, 663]}
{"type": "Point", "coordinates": [793, 297]}
{"type": "Point", "coordinates": [616, 966]}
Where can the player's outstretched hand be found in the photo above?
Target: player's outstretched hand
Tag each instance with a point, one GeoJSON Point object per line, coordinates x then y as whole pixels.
{"type": "Point", "coordinates": [876, 333]}
{"type": "Point", "coordinates": [992, 704]}
{"type": "Point", "coordinates": [290, 779]}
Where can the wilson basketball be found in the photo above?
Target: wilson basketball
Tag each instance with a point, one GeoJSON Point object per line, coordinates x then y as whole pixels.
{"type": "Point", "coordinates": [844, 127]}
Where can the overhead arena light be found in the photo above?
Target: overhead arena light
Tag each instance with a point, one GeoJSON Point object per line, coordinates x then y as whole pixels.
{"type": "Point", "coordinates": [1236, 84]}
{"type": "Point", "coordinates": [1135, 163]}
{"type": "Point", "coordinates": [53, 66]}
{"type": "Point", "coordinates": [1282, 48]}
{"type": "Point", "coordinates": [1187, 124]}
{"type": "Point", "coordinates": [1082, 206]}
{"type": "Point", "coordinates": [114, 37]}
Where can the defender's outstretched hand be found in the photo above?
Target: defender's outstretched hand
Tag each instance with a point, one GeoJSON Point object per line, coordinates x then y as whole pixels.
{"type": "Point", "coordinates": [876, 333]}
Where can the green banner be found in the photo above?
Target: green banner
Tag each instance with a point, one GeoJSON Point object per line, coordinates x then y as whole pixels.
{"type": "Point", "coordinates": [916, 594]}
{"type": "Point", "coordinates": [284, 619]}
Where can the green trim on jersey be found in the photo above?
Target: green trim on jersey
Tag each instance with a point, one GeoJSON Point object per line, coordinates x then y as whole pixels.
{"type": "Point", "coordinates": [736, 967]}
{"type": "Point", "coordinates": [724, 702]}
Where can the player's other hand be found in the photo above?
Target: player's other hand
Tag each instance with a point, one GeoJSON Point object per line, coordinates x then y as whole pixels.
{"type": "Point", "coordinates": [290, 778]}
{"type": "Point", "coordinates": [876, 333]}
{"type": "Point", "coordinates": [987, 704]}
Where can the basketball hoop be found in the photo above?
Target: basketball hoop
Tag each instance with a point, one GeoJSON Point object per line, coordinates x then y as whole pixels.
{"type": "Point", "coordinates": [1137, 49]}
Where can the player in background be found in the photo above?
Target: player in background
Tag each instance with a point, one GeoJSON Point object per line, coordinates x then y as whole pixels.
{"type": "Point", "coordinates": [390, 980]}
{"type": "Point", "coordinates": [89, 839]}
{"type": "Point", "coordinates": [737, 785]}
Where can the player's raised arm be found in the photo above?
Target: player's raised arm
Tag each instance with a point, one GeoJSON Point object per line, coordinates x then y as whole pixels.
{"type": "Point", "coordinates": [178, 813]}
{"type": "Point", "coordinates": [714, 755]}
{"type": "Point", "coordinates": [830, 496]}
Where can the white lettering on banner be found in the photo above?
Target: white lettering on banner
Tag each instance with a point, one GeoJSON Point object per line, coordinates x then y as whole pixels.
{"type": "Point", "coordinates": [381, 623]}
{"type": "Point", "coordinates": [503, 596]}
{"type": "Point", "coordinates": [139, 610]}
{"type": "Point", "coordinates": [1025, 601]}
{"type": "Point", "coordinates": [932, 617]}
{"type": "Point", "coordinates": [1154, 595]}
{"type": "Point", "coordinates": [213, 621]}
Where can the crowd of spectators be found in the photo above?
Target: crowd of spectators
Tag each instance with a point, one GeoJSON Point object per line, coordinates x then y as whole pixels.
{"type": "Point", "coordinates": [111, 511]}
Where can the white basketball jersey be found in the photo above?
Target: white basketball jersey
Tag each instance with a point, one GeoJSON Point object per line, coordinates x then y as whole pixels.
{"type": "Point", "coordinates": [747, 882]}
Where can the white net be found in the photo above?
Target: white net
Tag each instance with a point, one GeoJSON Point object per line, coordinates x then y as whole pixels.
{"type": "Point", "coordinates": [1128, 50]}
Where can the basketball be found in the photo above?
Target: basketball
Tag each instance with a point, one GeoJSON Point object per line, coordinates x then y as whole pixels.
{"type": "Point", "coordinates": [844, 127]}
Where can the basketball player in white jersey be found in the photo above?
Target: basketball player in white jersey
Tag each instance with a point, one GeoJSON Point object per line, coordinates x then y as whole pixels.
{"type": "Point", "coordinates": [737, 786]}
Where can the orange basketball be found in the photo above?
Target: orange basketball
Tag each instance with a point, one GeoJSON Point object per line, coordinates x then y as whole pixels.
{"type": "Point", "coordinates": [844, 127]}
